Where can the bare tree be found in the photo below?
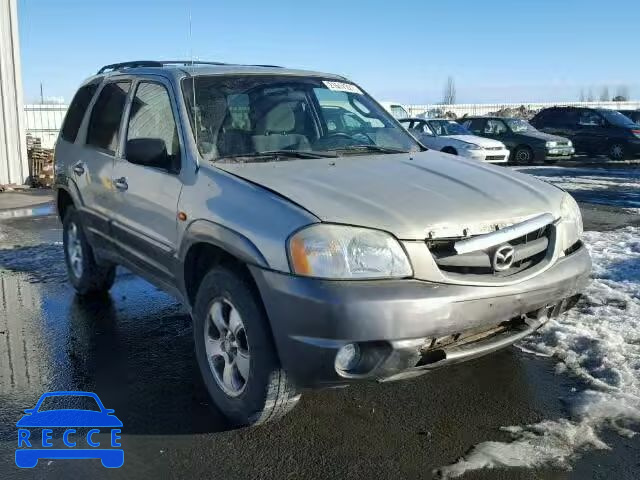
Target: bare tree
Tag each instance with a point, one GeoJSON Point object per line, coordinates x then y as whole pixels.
{"type": "Point", "coordinates": [622, 93]}
{"type": "Point", "coordinates": [604, 95]}
{"type": "Point", "coordinates": [582, 97]}
{"type": "Point", "coordinates": [449, 94]}
{"type": "Point", "coordinates": [590, 97]}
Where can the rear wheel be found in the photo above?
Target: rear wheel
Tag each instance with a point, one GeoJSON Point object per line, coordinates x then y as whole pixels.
{"type": "Point", "coordinates": [617, 151]}
{"type": "Point", "coordinates": [84, 273]}
{"type": "Point", "coordinates": [235, 351]}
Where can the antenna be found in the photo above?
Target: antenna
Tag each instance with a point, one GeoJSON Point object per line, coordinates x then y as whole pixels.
{"type": "Point", "coordinates": [193, 80]}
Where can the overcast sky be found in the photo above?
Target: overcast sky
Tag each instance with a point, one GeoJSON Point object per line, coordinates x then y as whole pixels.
{"type": "Point", "coordinates": [498, 51]}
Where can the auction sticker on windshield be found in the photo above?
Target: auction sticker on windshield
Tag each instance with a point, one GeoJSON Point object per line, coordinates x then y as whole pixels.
{"type": "Point", "coordinates": [342, 87]}
{"type": "Point", "coordinates": [88, 430]}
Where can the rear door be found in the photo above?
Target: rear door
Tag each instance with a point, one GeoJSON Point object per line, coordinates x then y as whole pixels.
{"type": "Point", "coordinates": [96, 163]}
{"type": "Point", "coordinates": [590, 136]}
{"type": "Point", "coordinates": [147, 195]}
{"type": "Point", "coordinates": [475, 125]}
{"type": "Point", "coordinates": [70, 150]}
{"type": "Point", "coordinates": [553, 121]}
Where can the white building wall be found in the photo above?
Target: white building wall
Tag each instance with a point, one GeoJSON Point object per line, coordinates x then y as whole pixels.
{"type": "Point", "coordinates": [13, 156]}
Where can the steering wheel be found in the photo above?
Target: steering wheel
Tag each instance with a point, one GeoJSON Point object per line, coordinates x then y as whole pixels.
{"type": "Point", "coordinates": [341, 139]}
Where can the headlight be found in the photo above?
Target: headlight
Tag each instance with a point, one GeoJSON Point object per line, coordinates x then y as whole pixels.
{"type": "Point", "coordinates": [343, 252]}
{"type": "Point", "coordinates": [571, 220]}
{"type": "Point", "coordinates": [471, 146]}
{"type": "Point", "coordinates": [569, 143]}
{"type": "Point", "coordinates": [552, 144]}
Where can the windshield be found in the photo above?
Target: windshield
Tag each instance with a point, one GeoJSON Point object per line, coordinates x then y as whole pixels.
{"type": "Point", "coordinates": [616, 118]}
{"type": "Point", "coordinates": [518, 125]}
{"type": "Point", "coordinates": [399, 112]}
{"type": "Point", "coordinates": [447, 127]}
{"type": "Point", "coordinates": [252, 115]}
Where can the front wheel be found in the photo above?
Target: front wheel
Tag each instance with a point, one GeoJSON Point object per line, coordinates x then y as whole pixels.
{"type": "Point", "coordinates": [235, 353]}
{"type": "Point", "coordinates": [523, 155]}
{"type": "Point", "coordinates": [84, 273]}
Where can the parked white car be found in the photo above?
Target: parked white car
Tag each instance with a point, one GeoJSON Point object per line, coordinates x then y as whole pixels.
{"type": "Point", "coordinates": [395, 109]}
{"type": "Point", "coordinates": [451, 137]}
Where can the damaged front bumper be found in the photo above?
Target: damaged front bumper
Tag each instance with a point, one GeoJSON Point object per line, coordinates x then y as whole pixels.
{"type": "Point", "coordinates": [405, 328]}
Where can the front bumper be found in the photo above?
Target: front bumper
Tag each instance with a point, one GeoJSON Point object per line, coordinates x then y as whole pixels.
{"type": "Point", "coordinates": [311, 319]}
{"type": "Point", "coordinates": [491, 156]}
{"type": "Point", "coordinates": [559, 153]}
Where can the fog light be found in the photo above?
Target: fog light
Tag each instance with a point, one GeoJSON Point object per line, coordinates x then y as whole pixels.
{"type": "Point", "coordinates": [348, 357]}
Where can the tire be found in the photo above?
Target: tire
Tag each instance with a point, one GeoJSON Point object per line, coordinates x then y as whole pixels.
{"type": "Point", "coordinates": [449, 150]}
{"type": "Point", "coordinates": [259, 392]}
{"type": "Point", "coordinates": [617, 151]}
{"type": "Point", "coordinates": [523, 155]}
{"type": "Point", "coordinates": [86, 276]}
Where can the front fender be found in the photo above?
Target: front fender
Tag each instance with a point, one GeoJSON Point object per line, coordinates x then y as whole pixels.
{"type": "Point", "coordinates": [230, 241]}
{"type": "Point", "coordinates": [63, 182]}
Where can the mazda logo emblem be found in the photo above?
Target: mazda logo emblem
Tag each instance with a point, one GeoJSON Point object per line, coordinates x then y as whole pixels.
{"type": "Point", "coordinates": [503, 258]}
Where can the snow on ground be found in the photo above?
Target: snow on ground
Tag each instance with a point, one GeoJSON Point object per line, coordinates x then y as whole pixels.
{"type": "Point", "coordinates": [599, 342]}
{"type": "Point", "coordinates": [617, 187]}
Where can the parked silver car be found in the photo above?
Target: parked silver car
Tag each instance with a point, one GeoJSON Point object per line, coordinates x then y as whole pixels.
{"type": "Point", "coordinates": [449, 136]}
{"type": "Point", "coordinates": [308, 254]}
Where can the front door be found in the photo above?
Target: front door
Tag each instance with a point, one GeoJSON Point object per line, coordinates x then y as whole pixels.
{"type": "Point", "coordinates": [498, 130]}
{"type": "Point", "coordinates": [145, 223]}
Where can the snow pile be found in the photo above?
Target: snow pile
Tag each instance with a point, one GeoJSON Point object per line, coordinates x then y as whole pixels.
{"type": "Point", "coordinates": [598, 341]}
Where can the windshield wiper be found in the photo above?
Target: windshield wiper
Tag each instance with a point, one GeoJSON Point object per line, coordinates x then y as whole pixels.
{"type": "Point", "coordinates": [369, 148]}
{"type": "Point", "coordinates": [276, 155]}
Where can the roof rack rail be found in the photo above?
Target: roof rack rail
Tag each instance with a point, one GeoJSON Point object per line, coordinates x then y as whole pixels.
{"type": "Point", "coordinates": [155, 63]}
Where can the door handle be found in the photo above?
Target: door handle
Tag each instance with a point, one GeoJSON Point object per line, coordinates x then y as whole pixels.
{"type": "Point", "coordinates": [121, 183]}
{"type": "Point", "coordinates": [78, 168]}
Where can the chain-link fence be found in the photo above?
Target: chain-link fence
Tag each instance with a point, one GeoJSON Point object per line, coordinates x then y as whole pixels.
{"type": "Point", "coordinates": [520, 110]}
{"type": "Point", "coordinates": [44, 121]}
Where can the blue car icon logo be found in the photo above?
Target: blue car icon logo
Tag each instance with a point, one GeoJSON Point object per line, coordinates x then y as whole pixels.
{"type": "Point", "coordinates": [36, 434]}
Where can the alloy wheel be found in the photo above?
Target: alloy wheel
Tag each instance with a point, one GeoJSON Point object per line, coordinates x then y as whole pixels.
{"type": "Point", "coordinates": [617, 151]}
{"type": "Point", "coordinates": [227, 348]}
{"type": "Point", "coordinates": [74, 250]}
{"type": "Point", "coordinates": [523, 156]}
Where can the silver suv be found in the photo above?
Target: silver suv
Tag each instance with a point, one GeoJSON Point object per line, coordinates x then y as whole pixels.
{"type": "Point", "coordinates": [314, 241]}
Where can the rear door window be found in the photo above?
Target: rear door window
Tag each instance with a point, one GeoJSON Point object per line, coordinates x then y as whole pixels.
{"type": "Point", "coordinates": [76, 112]}
{"type": "Point", "coordinates": [476, 125]}
{"type": "Point", "coordinates": [104, 124]}
{"type": "Point", "coordinates": [589, 118]}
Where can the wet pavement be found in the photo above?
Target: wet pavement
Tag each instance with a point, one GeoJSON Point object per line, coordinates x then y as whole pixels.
{"type": "Point", "coordinates": [134, 348]}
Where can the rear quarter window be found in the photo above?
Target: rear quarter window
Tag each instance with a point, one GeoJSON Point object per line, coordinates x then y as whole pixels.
{"type": "Point", "coordinates": [76, 112]}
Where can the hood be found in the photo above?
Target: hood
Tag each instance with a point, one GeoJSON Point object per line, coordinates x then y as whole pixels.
{"type": "Point", "coordinates": [480, 141]}
{"type": "Point", "coordinates": [411, 196]}
{"type": "Point", "coordinates": [547, 137]}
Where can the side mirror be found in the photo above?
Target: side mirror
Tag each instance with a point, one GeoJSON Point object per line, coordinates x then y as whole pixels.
{"type": "Point", "coordinates": [150, 152]}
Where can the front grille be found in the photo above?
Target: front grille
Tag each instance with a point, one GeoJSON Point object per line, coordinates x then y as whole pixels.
{"type": "Point", "coordinates": [528, 251]}
{"type": "Point", "coordinates": [493, 148]}
{"type": "Point", "coordinates": [494, 157]}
